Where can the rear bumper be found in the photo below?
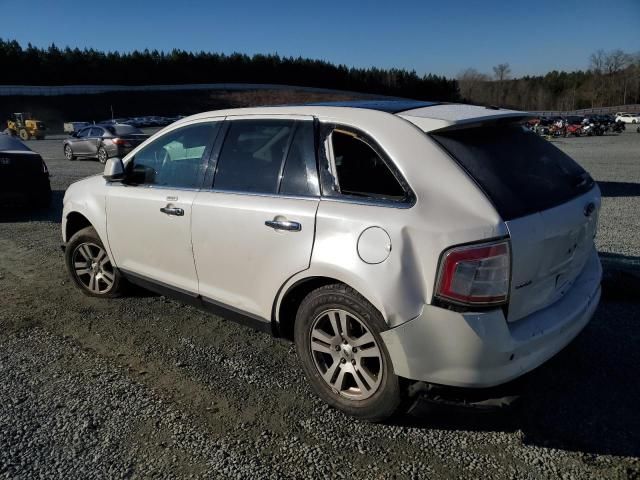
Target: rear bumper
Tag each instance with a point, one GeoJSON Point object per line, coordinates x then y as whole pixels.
{"type": "Point", "coordinates": [482, 349]}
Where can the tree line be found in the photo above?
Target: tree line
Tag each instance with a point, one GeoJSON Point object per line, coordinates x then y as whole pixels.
{"type": "Point", "coordinates": [613, 78]}
{"type": "Point", "coordinates": [56, 66]}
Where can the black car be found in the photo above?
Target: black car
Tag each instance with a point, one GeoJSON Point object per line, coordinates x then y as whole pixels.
{"type": "Point", "coordinates": [103, 142]}
{"type": "Point", "coordinates": [23, 174]}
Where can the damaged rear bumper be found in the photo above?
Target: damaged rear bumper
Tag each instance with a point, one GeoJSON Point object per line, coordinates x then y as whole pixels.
{"type": "Point", "coordinates": [482, 349]}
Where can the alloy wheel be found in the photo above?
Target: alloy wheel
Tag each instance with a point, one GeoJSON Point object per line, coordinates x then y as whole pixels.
{"type": "Point", "coordinates": [102, 155]}
{"type": "Point", "coordinates": [68, 153]}
{"type": "Point", "coordinates": [346, 354]}
{"type": "Point", "coordinates": [93, 268]}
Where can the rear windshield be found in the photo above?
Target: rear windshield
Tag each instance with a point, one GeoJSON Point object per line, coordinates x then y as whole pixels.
{"type": "Point", "coordinates": [520, 172]}
{"type": "Point", "coordinates": [123, 129]}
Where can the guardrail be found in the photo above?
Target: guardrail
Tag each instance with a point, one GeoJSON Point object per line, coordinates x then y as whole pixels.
{"type": "Point", "coordinates": [52, 90]}
{"type": "Point", "coordinates": [631, 108]}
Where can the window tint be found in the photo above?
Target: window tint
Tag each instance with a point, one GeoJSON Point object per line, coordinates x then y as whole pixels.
{"type": "Point", "coordinates": [96, 132]}
{"type": "Point", "coordinates": [361, 171]}
{"type": "Point", "coordinates": [519, 171]}
{"type": "Point", "coordinates": [299, 176]}
{"type": "Point", "coordinates": [84, 132]}
{"type": "Point", "coordinates": [175, 159]}
{"type": "Point", "coordinates": [252, 155]}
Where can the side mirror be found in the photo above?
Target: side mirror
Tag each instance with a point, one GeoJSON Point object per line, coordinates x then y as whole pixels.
{"type": "Point", "coordinates": [113, 170]}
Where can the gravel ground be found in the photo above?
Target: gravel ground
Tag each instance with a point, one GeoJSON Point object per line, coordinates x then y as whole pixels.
{"type": "Point", "coordinates": [146, 387]}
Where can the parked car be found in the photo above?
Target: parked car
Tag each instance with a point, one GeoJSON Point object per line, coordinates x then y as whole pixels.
{"type": "Point", "coordinates": [102, 142]}
{"type": "Point", "coordinates": [628, 118]}
{"type": "Point", "coordinates": [436, 243]}
{"type": "Point", "coordinates": [71, 127]}
{"type": "Point", "coordinates": [23, 174]}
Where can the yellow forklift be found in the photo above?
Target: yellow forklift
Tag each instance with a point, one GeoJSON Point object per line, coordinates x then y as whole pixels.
{"type": "Point", "coordinates": [25, 127]}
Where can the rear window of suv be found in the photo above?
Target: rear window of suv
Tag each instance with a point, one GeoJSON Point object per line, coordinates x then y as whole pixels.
{"type": "Point", "coordinates": [520, 172]}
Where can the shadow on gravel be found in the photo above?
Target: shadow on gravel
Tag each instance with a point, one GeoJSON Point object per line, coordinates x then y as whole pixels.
{"type": "Point", "coordinates": [586, 398]}
{"type": "Point", "coordinates": [20, 212]}
{"type": "Point", "coordinates": [619, 189]}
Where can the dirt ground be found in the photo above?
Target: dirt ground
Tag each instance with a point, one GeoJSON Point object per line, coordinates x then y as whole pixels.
{"type": "Point", "coordinates": [144, 386]}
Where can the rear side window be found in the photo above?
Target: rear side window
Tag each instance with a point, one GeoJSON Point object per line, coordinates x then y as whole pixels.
{"type": "Point", "coordinates": [252, 155]}
{"type": "Point", "coordinates": [520, 172]}
{"type": "Point", "coordinates": [360, 171]}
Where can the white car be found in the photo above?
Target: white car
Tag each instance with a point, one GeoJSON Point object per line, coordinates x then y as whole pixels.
{"type": "Point", "coordinates": [397, 243]}
{"type": "Point", "coordinates": [628, 118]}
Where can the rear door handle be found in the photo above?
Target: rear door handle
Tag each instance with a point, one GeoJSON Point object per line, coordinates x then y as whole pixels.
{"type": "Point", "coordinates": [287, 225]}
{"type": "Point", "coordinates": [178, 212]}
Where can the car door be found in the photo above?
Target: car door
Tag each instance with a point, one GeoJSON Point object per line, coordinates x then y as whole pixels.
{"type": "Point", "coordinates": [255, 227]}
{"type": "Point", "coordinates": [80, 144]}
{"type": "Point", "coordinates": [149, 215]}
{"type": "Point", "coordinates": [93, 140]}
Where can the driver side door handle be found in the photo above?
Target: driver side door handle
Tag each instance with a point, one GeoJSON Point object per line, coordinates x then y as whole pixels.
{"type": "Point", "coordinates": [178, 212]}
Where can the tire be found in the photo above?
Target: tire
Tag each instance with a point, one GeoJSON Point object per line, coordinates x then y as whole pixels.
{"type": "Point", "coordinates": [375, 394]}
{"type": "Point", "coordinates": [24, 135]}
{"type": "Point", "coordinates": [89, 265]}
{"type": "Point", "coordinates": [68, 153]}
{"type": "Point", "coordinates": [103, 156]}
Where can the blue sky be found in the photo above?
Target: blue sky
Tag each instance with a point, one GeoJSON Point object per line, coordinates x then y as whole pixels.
{"type": "Point", "coordinates": [442, 37]}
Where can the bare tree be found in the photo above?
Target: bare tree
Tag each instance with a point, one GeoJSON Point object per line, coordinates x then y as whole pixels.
{"type": "Point", "coordinates": [471, 82]}
{"type": "Point", "coordinates": [502, 71]}
{"type": "Point", "coordinates": [597, 61]}
{"type": "Point", "coordinates": [616, 60]}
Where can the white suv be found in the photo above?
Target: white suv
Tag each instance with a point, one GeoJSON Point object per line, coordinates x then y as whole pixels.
{"type": "Point", "coordinates": [628, 117]}
{"type": "Point", "coordinates": [436, 243]}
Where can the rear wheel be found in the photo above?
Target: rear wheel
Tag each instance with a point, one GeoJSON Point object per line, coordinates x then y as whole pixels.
{"type": "Point", "coordinates": [337, 336]}
{"type": "Point", "coordinates": [89, 265]}
{"type": "Point", "coordinates": [68, 153]}
{"type": "Point", "coordinates": [102, 155]}
{"type": "Point", "coordinates": [24, 135]}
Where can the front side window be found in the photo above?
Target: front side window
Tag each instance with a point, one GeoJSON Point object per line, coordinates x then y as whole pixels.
{"type": "Point", "coordinates": [176, 159]}
{"type": "Point", "coordinates": [84, 133]}
{"type": "Point", "coordinates": [96, 132]}
{"type": "Point", "coordinates": [252, 155]}
{"type": "Point", "coordinates": [360, 171]}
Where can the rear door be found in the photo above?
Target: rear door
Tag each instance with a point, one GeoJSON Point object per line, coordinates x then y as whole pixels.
{"type": "Point", "coordinates": [549, 203]}
{"type": "Point", "coordinates": [255, 228]}
{"type": "Point", "coordinates": [94, 140]}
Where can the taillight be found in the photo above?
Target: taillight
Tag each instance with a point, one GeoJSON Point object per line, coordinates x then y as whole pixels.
{"type": "Point", "coordinates": [120, 141]}
{"type": "Point", "coordinates": [475, 274]}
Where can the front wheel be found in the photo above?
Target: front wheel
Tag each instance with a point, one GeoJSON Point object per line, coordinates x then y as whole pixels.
{"type": "Point", "coordinates": [89, 265]}
{"type": "Point", "coordinates": [102, 155]}
{"type": "Point", "coordinates": [337, 337]}
{"type": "Point", "coordinates": [24, 135]}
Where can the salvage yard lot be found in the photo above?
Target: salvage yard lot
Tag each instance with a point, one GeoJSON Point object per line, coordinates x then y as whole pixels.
{"type": "Point", "coordinates": [143, 385]}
